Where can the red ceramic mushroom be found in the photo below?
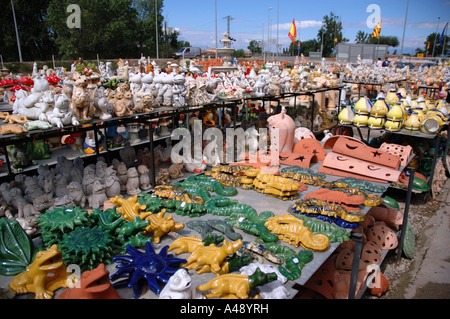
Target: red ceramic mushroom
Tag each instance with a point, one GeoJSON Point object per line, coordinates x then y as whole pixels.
{"type": "Point", "coordinates": [53, 79]}
{"type": "Point", "coordinates": [8, 83]}
{"type": "Point", "coordinates": [17, 88]}
{"type": "Point", "coordinates": [26, 81]}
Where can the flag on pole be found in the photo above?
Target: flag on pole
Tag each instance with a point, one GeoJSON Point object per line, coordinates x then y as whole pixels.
{"type": "Point", "coordinates": [428, 46]}
{"type": "Point", "coordinates": [293, 32]}
{"type": "Point", "coordinates": [441, 40]}
{"type": "Point", "coordinates": [376, 32]}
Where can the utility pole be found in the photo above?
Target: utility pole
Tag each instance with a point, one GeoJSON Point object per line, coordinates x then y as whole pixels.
{"type": "Point", "coordinates": [17, 32]}
{"type": "Point", "coordinates": [229, 18]}
{"type": "Point", "coordinates": [404, 27]}
{"type": "Point", "coordinates": [435, 38]}
{"type": "Point", "coordinates": [156, 18]}
{"type": "Point", "coordinates": [217, 44]}
{"type": "Point", "coordinates": [443, 44]}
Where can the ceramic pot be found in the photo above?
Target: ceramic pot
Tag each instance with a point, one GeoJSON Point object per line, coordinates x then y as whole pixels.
{"type": "Point", "coordinates": [392, 98]}
{"type": "Point", "coordinates": [363, 105]}
{"type": "Point", "coordinates": [413, 122]}
{"type": "Point", "coordinates": [442, 106]}
{"type": "Point", "coordinates": [393, 125]}
{"type": "Point", "coordinates": [380, 108]}
{"type": "Point", "coordinates": [360, 119]}
{"type": "Point", "coordinates": [396, 113]}
{"type": "Point", "coordinates": [437, 115]}
{"type": "Point", "coordinates": [430, 126]}
{"type": "Point", "coordinates": [402, 91]}
{"type": "Point", "coordinates": [346, 116]}
{"type": "Point", "coordinates": [376, 122]}
{"type": "Point", "coordinates": [414, 103]}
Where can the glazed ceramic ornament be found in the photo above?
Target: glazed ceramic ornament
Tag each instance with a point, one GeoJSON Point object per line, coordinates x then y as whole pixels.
{"type": "Point", "coordinates": [396, 113]}
{"type": "Point", "coordinates": [283, 125]}
{"type": "Point", "coordinates": [402, 92]}
{"type": "Point", "coordinates": [361, 119]}
{"type": "Point", "coordinates": [392, 98]}
{"type": "Point", "coordinates": [380, 108]}
{"type": "Point", "coordinates": [393, 125]}
{"type": "Point", "coordinates": [363, 106]}
{"type": "Point", "coordinates": [346, 116]}
{"type": "Point", "coordinates": [376, 122]}
{"type": "Point", "coordinates": [430, 126]}
{"type": "Point", "coordinates": [413, 122]}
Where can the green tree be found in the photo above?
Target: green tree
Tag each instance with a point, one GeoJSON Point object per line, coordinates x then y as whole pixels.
{"type": "Point", "coordinates": [362, 37]}
{"type": "Point", "coordinates": [36, 41]}
{"type": "Point", "coordinates": [108, 28]}
{"type": "Point", "coordinates": [391, 41]}
{"type": "Point", "coordinates": [254, 47]}
{"type": "Point", "coordinates": [331, 32]}
{"type": "Point", "coordinates": [435, 37]}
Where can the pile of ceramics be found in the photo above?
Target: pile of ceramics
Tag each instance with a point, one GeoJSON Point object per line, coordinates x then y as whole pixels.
{"type": "Point", "coordinates": [398, 110]}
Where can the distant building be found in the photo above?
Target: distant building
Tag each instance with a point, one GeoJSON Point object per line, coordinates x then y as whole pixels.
{"type": "Point", "coordinates": [349, 52]}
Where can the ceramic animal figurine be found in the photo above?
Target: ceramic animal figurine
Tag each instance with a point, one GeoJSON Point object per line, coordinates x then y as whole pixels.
{"type": "Point", "coordinates": [76, 194]}
{"type": "Point", "coordinates": [62, 114]}
{"type": "Point", "coordinates": [80, 102]}
{"type": "Point", "coordinates": [175, 171]}
{"type": "Point", "coordinates": [163, 177]}
{"type": "Point", "coordinates": [133, 182]}
{"type": "Point", "coordinates": [103, 108]}
{"type": "Point", "coordinates": [98, 196]}
{"type": "Point", "coordinates": [144, 179]}
{"type": "Point", "coordinates": [122, 174]}
{"type": "Point", "coordinates": [44, 276]}
{"type": "Point", "coordinates": [112, 182]}
{"type": "Point", "coordinates": [235, 286]}
{"type": "Point", "coordinates": [93, 284]}
{"type": "Point", "coordinates": [210, 258]}
{"type": "Point", "coordinates": [180, 287]}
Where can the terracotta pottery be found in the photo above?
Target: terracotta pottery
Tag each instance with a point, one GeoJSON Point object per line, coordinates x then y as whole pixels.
{"type": "Point", "coordinates": [392, 217]}
{"type": "Point", "coordinates": [363, 152]}
{"type": "Point", "coordinates": [336, 172]}
{"type": "Point", "coordinates": [359, 168]}
{"type": "Point", "coordinates": [302, 160]}
{"type": "Point", "coordinates": [400, 150]}
{"type": "Point", "coordinates": [312, 147]}
{"type": "Point", "coordinates": [286, 131]}
{"type": "Point", "coordinates": [335, 196]}
{"type": "Point", "coordinates": [329, 144]}
{"type": "Point", "coordinates": [383, 236]}
{"type": "Point", "coordinates": [379, 284]}
{"type": "Point", "coordinates": [371, 254]}
{"type": "Point", "coordinates": [94, 284]}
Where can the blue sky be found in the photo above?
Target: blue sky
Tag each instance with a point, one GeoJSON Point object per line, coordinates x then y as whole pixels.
{"type": "Point", "coordinates": [195, 19]}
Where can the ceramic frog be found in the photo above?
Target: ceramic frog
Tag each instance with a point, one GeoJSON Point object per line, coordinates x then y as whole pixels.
{"type": "Point", "coordinates": [46, 274]}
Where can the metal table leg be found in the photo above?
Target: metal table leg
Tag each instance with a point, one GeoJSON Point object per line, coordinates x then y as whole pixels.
{"type": "Point", "coordinates": [357, 237]}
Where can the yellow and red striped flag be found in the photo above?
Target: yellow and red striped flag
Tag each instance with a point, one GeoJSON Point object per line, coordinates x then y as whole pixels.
{"type": "Point", "coordinates": [293, 32]}
{"type": "Point", "coordinates": [377, 31]}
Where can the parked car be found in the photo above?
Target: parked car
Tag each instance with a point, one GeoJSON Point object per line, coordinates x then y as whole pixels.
{"type": "Point", "coordinates": [188, 53]}
{"type": "Point", "coordinates": [401, 65]}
